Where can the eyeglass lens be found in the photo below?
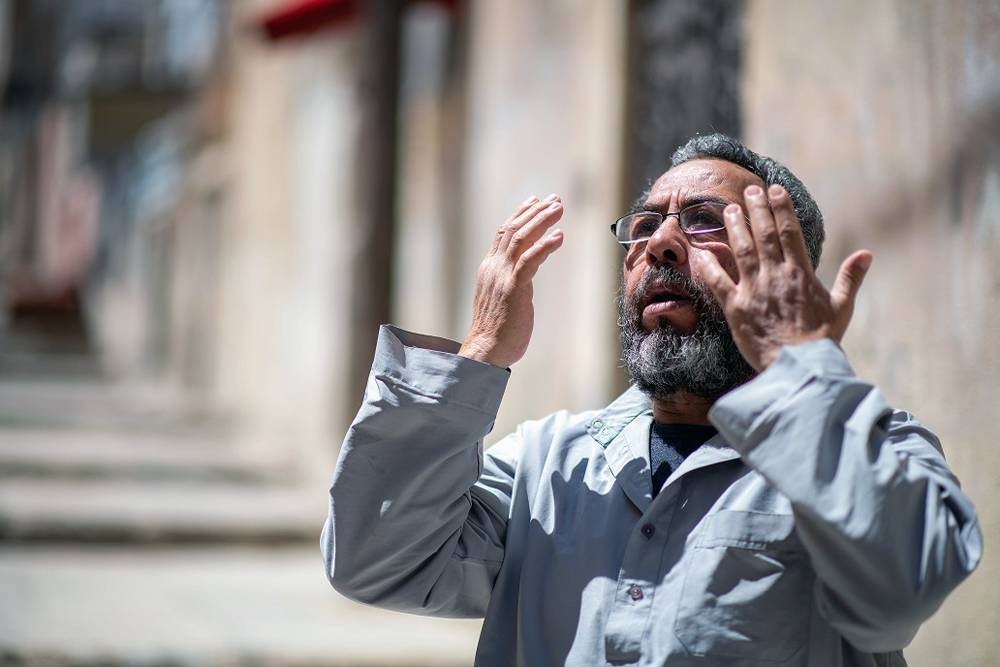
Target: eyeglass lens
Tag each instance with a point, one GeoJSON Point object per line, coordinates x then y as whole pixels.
{"type": "Point", "coordinates": [704, 221]}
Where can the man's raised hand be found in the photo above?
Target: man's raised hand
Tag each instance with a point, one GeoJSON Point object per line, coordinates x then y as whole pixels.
{"type": "Point", "coordinates": [778, 299]}
{"type": "Point", "coordinates": [502, 311]}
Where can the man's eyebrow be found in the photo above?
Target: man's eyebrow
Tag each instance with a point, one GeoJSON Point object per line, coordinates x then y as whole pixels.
{"type": "Point", "coordinates": [643, 206]}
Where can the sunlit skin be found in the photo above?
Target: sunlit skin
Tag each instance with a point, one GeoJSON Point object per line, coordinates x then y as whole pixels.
{"type": "Point", "coordinates": [761, 275]}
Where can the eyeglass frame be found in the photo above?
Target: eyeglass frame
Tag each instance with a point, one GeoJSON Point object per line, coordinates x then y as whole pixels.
{"type": "Point", "coordinates": [664, 216]}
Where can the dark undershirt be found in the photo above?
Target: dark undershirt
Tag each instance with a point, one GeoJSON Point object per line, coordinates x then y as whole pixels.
{"type": "Point", "coordinates": [670, 444]}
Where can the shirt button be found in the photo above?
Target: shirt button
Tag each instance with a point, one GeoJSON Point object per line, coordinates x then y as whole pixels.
{"type": "Point", "coordinates": [648, 529]}
{"type": "Point", "coordinates": [635, 592]}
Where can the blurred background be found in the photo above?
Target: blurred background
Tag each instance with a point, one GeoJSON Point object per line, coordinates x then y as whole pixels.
{"type": "Point", "coordinates": [208, 206]}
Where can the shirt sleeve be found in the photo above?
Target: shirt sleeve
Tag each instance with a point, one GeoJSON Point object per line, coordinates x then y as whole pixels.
{"type": "Point", "coordinates": [417, 515]}
{"type": "Point", "coordinates": [887, 527]}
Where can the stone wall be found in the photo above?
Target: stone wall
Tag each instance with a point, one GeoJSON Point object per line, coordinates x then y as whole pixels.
{"type": "Point", "coordinates": [544, 114]}
{"type": "Point", "coordinates": [890, 113]}
{"type": "Point", "coordinates": [286, 234]}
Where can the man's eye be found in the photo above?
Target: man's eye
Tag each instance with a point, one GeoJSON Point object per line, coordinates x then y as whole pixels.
{"type": "Point", "coordinates": [644, 227]}
{"type": "Point", "coordinates": [702, 220]}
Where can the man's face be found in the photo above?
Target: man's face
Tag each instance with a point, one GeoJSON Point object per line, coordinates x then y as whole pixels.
{"type": "Point", "coordinates": [674, 335]}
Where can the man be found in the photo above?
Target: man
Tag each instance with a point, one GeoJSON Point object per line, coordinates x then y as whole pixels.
{"type": "Point", "coordinates": [748, 501]}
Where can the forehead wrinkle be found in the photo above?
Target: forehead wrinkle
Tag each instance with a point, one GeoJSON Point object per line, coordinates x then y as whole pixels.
{"type": "Point", "coordinates": [666, 199]}
{"type": "Point", "coordinates": [705, 178]}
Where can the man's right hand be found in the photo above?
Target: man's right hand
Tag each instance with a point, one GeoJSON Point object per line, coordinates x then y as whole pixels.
{"type": "Point", "coordinates": [502, 310]}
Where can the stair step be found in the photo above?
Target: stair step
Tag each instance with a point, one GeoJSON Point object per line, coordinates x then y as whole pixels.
{"type": "Point", "coordinates": [214, 606]}
{"type": "Point", "coordinates": [58, 453]}
{"type": "Point", "coordinates": [136, 511]}
{"type": "Point", "coordinates": [83, 404]}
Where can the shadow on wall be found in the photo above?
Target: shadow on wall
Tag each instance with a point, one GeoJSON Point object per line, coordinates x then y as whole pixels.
{"type": "Point", "coordinates": [967, 171]}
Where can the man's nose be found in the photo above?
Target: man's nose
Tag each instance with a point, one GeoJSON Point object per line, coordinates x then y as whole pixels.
{"type": "Point", "coordinates": [667, 245]}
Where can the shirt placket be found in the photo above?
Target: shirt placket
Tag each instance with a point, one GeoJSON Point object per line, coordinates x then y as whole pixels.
{"type": "Point", "coordinates": [643, 562]}
{"type": "Point", "coordinates": [636, 587]}
{"type": "Point", "coordinates": [626, 450]}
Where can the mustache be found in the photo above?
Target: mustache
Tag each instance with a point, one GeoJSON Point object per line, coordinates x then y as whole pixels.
{"type": "Point", "coordinates": [670, 278]}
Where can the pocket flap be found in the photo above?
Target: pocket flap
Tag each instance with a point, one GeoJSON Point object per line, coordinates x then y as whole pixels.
{"type": "Point", "coordinates": [749, 530]}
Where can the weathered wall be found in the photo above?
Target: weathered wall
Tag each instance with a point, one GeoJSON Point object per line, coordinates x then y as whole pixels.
{"type": "Point", "coordinates": [544, 115]}
{"type": "Point", "coordinates": [890, 112]}
{"type": "Point", "coordinates": [530, 100]}
{"type": "Point", "coordinates": [287, 233]}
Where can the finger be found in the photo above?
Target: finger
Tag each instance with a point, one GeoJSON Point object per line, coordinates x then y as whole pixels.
{"type": "Point", "coordinates": [533, 230]}
{"type": "Point", "coordinates": [717, 279]}
{"type": "Point", "coordinates": [525, 205]}
{"type": "Point", "coordinates": [793, 245]}
{"type": "Point", "coordinates": [532, 258]}
{"type": "Point", "coordinates": [518, 221]}
{"type": "Point", "coordinates": [740, 240]}
{"type": "Point", "coordinates": [765, 232]}
{"type": "Point", "coordinates": [848, 282]}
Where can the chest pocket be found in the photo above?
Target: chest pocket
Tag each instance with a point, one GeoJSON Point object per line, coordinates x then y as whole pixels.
{"type": "Point", "coordinates": [747, 589]}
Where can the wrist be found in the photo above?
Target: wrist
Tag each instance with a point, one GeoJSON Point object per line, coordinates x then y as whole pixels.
{"type": "Point", "coordinates": [483, 353]}
{"type": "Point", "coordinates": [769, 355]}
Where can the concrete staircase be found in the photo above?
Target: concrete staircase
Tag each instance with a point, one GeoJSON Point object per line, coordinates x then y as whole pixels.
{"type": "Point", "coordinates": [134, 531]}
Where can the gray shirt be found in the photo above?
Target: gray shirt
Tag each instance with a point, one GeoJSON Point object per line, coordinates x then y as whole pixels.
{"type": "Point", "coordinates": [819, 527]}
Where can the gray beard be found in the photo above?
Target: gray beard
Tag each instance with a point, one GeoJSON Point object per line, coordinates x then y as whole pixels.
{"type": "Point", "coordinates": [662, 362]}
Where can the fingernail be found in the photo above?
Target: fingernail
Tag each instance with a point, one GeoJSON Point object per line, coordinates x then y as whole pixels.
{"type": "Point", "coordinates": [732, 209]}
{"type": "Point", "coordinates": [753, 191]}
{"type": "Point", "coordinates": [865, 262]}
{"type": "Point", "coordinates": [555, 205]}
{"type": "Point", "coordinates": [775, 191]}
{"type": "Point", "coordinates": [552, 197]}
{"type": "Point", "coordinates": [529, 200]}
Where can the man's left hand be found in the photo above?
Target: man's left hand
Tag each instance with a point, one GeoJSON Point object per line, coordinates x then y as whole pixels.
{"type": "Point", "coordinates": [776, 298]}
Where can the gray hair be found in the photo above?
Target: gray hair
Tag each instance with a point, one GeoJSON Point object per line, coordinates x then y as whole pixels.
{"type": "Point", "coordinates": [722, 147]}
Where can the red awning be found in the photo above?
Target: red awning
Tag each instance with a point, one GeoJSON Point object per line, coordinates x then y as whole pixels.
{"type": "Point", "coordinates": [300, 17]}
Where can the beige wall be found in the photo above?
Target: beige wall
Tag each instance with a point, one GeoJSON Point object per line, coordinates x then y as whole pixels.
{"type": "Point", "coordinates": [286, 235]}
{"type": "Point", "coordinates": [890, 112]}
{"type": "Point", "coordinates": [545, 110]}
{"type": "Point", "coordinates": [425, 284]}
{"type": "Point", "coordinates": [535, 107]}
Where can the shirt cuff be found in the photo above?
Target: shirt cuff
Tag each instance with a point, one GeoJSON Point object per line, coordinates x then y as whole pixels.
{"type": "Point", "coordinates": [431, 366]}
{"type": "Point", "coordinates": [742, 412]}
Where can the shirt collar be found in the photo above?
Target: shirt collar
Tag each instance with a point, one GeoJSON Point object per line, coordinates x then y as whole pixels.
{"type": "Point", "coordinates": [610, 421]}
{"type": "Point", "coordinates": [622, 430]}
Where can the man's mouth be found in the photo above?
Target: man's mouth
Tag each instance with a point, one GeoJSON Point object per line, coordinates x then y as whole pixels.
{"type": "Point", "coordinates": [665, 298]}
{"type": "Point", "coordinates": [662, 304]}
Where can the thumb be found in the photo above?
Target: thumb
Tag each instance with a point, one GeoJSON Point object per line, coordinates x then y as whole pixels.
{"type": "Point", "coordinates": [849, 278]}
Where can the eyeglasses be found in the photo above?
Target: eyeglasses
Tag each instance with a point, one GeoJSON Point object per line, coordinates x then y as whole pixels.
{"type": "Point", "coordinates": [703, 220]}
